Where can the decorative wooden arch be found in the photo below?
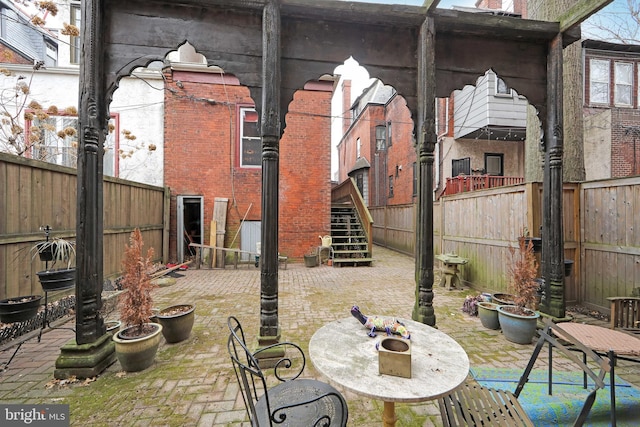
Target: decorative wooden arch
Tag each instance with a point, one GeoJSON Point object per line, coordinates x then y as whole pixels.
{"type": "Point", "coordinates": [274, 47]}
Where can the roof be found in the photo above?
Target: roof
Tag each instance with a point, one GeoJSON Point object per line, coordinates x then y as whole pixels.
{"type": "Point", "coordinates": [361, 163]}
{"type": "Point", "coordinates": [377, 93]}
{"type": "Point", "coordinates": [615, 47]}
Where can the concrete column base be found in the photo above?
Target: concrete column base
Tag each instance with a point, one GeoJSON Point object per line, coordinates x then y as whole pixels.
{"type": "Point", "coordinates": [85, 360]}
{"type": "Point", "coordinates": [269, 358]}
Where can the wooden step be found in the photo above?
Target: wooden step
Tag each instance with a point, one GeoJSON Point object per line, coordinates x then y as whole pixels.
{"type": "Point", "coordinates": [353, 262]}
{"type": "Point", "coordinates": [357, 251]}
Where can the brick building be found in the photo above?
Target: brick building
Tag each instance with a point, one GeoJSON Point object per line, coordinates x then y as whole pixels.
{"type": "Point", "coordinates": [378, 146]}
{"type": "Point", "coordinates": [611, 116]}
{"type": "Point", "coordinates": [213, 152]}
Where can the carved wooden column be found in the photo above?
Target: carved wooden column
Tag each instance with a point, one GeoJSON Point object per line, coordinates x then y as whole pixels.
{"type": "Point", "coordinates": [93, 349]}
{"type": "Point", "coordinates": [423, 308]}
{"type": "Point", "coordinates": [270, 132]}
{"type": "Point", "coordinates": [553, 302]}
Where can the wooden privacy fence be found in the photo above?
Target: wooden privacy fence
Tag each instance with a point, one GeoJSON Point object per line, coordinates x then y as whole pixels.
{"type": "Point", "coordinates": [34, 194]}
{"type": "Point", "coordinates": [610, 243]}
{"type": "Point", "coordinates": [600, 223]}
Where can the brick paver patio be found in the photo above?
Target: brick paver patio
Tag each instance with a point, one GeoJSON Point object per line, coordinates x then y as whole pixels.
{"type": "Point", "coordinates": [192, 383]}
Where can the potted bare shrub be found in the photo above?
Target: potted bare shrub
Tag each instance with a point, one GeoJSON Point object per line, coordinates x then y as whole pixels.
{"type": "Point", "coordinates": [519, 321]}
{"type": "Point", "coordinates": [137, 342]}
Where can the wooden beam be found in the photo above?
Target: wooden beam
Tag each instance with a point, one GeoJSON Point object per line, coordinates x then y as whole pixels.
{"type": "Point", "coordinates": [579, 12]}
{"type": "Point", "coordinates": [430, 5]}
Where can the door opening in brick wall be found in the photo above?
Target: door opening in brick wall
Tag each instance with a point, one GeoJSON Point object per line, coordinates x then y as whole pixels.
{"type": "Point", "coordinates": [189, 227]}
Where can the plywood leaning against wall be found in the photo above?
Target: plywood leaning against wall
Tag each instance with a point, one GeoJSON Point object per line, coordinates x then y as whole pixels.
{"type": "Point", "coordinates": [34, 193]}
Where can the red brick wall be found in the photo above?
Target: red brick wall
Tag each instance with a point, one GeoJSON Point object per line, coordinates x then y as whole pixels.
{"type": "Point", "coordinates": [625, 142]}
{"type": "Point", "coordinates": [11, 57]}
{"type": "Point", "coordinates": [305, 173]}
{"type": "Point", "coordinates": [402, 152]}
{"type": "Point", "coordinates": [201, 160]}
{"type": "Point", "coordinates": [383, 163]}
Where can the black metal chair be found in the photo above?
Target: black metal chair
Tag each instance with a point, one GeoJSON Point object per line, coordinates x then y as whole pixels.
{"type": "Point", "coordinates": [293, 401]}
{"type": "Point", "coordinates": [474, 405]}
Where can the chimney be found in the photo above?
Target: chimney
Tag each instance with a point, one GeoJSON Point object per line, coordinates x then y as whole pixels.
{"type": "Point", "coordinates": [489, 4]}
{"type": "Point", "coordinates": [346, 105]}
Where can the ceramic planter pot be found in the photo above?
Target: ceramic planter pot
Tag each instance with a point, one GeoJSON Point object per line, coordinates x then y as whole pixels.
{"type": "Point", "coordinates": [137, 354]}
{"type": "Point", "coordinates": [112, 326]}
{"type": "Point", "coordinates": [488, 314]}
{"type": "Point", "coordinates": [517, 328]}
{"type": "Point", "coordinates": [19, 309]}
{"type": "Point", "coordinates": [177, 322]}
{"type": "Point", "coordinates": [310, 260]}
{"type": "Point", "coordinates": [55, 280]}
{"type": "Point", "coordinates": [503, 299]}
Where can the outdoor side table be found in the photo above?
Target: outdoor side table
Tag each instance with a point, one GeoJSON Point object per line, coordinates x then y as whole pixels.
{"type": "Point", "coordinates": [615, 344]}
{"type": "Point", "coordinates": [450, 270]}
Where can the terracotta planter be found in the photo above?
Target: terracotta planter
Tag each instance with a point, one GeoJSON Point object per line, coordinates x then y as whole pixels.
{"type": "Point", "coordinates": [139, 353]}
{"type": "Point", "coordinates": [488, 314]}
{"type": "Point", "coordinates": [517, 328]}
{"type": "Point", "coordinates": [177, 322]}
{"type": "Point", "coordinates": [19, 309]}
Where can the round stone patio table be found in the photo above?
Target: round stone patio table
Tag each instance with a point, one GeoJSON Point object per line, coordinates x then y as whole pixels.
{"type": "Point", "coordinates": [344, 353]}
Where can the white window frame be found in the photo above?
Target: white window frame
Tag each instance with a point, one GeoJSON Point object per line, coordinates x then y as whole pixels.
{"type": "Point", "coordinates": [621, 85]}
{"type": "Point", "coordinates": [242, 138]}
{"type": "Point", "coordinates": [358, 148]}
{"type": "Point", "coordinates": [75, 41]}
{"type": "Point", "coordinates": [64, 151]}
{"type": "Point", "coordinates": [595, 81]}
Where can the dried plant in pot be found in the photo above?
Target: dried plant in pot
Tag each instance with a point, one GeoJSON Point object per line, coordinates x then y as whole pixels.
{"type": "Point", "coordinates": [137, 342]}
{"type": "Point", "coordinates": [518, 321]}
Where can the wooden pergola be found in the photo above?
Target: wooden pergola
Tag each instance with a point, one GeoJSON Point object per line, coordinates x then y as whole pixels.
{"type": "Point", "coordinates": [274, 47]}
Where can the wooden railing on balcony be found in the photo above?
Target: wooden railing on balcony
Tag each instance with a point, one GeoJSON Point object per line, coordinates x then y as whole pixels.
{"type": "Point", "coordinates": [462, 183]}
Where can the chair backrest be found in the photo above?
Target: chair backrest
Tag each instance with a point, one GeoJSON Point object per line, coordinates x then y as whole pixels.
{"type": "Point", "coordinates": [248, 373]}
{"type": "Point", "coordinates": [306, 402]}
{"type": "Point", "coordinates": [625, 313]}
{"type": "Point", "coordinates": [556, 339]}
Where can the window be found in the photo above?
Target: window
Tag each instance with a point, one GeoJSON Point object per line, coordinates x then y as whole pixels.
{"type": "Point", "coordinates": [75, 41]}
{"type": "Point", "coordinates": [461, 166]}
{"type": "Point", "coordinates": [57, 140]}
{"type": "Point", "coordinates": [250, 141]}
{"type": "Point", "coordinates": [381, 137]}
{"type": "Point", "coordinates": [389, 141]}
{"type": "Point", "coordinates": [501, 87]}
{"type": "Point", "coordinates": [390, 186]}
{"type": "Point", "coordinates": [358, 147]}
{"type": "Point", "coordinates": [360, 182]}
{"type": "Point", "coordinates": [623, 75]}
{"type": "Point", "coordinates": [493, 164]}
{"type": "Point", "coordinates": [415, 179]}
{"type": "Point", "coordinates": [599, 81]}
